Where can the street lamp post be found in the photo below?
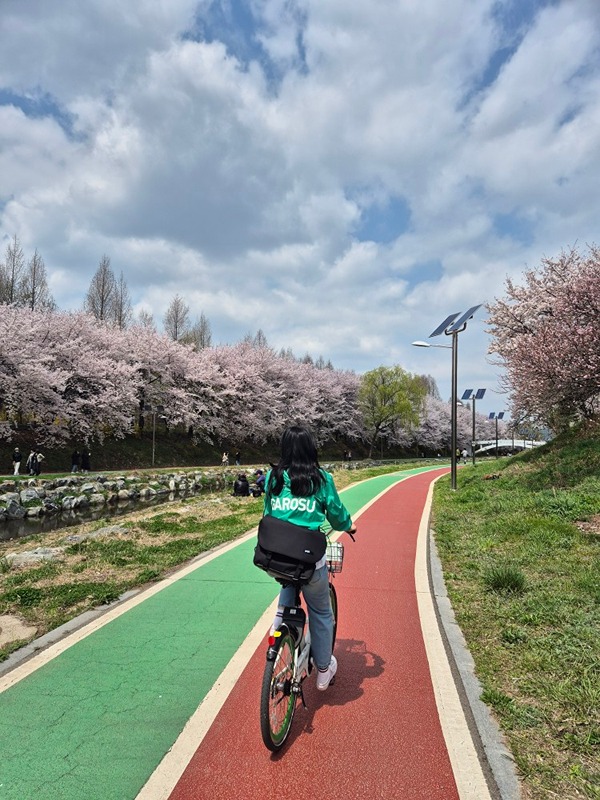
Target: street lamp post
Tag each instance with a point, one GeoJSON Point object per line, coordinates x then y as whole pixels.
{"type": "Point", "coordinates": [154, 411]}
{"type": "Point", "coordinates": [495, 416]}
{"type": "Point", "coordinates": [479, 395]}
{"type": "Point", "coordinates": [452, 326]}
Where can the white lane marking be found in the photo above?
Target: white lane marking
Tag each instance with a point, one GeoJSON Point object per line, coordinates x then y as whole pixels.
{"type": "Point", "coordinates": [468, 774]}
{"type": "Point", "coordinates": [165, 777]}
{"type": "Point", "coordinates": [54, 650]}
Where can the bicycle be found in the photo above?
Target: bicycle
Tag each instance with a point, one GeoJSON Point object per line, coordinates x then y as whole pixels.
{"type": "Point", "coordinates": [289, 660]}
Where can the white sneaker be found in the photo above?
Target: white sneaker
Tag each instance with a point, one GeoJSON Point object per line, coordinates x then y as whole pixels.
{"type": "Point", "coordinates": [325, 678]}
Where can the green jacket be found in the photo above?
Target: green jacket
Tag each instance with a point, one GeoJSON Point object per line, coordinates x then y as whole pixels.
{"type": "Point", "coordinates": [311, 512]}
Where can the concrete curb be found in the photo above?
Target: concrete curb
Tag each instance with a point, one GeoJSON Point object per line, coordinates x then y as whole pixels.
{"type": "Point", "coordinates": [496, 760]}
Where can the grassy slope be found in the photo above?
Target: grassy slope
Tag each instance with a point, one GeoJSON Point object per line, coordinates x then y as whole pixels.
{"type": "Point", "coordinates": [521, 555]}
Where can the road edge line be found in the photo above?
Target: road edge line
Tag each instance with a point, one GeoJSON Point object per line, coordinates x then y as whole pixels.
{"type": "Point", "coordinates": [497, 760]}
{"type": "Point", "coordinates": [468, 773]}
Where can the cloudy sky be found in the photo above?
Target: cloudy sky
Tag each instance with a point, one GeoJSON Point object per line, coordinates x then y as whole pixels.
{"type": "Point", "coordinates": [341, 174]}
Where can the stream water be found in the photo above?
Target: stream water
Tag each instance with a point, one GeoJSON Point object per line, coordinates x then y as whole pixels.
{"type": "Point", "coordinates": [29, 526]}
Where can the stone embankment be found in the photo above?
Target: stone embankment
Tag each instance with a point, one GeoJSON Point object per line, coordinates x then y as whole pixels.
{"type": "Point", "coordinates": [37, 496]}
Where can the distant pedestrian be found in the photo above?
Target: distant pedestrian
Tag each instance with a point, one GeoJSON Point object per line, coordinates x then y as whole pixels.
{"type": "Point", "coordinates": [16, 460]}
{"type": "Point", "coordinates": [31, 463]}
{"type": "Point", "coordinates": [225, 459]}
{"type": "Point", "coordinates": [75, 461]}
{"type": "Point", "coordinates": [238, 458]}
{"type": "Point", "coordinates": [464, 455]}
{"type": "Point", "coordinates": [85, 460]}
{"type": "Point", "coordinates": [39, 457]}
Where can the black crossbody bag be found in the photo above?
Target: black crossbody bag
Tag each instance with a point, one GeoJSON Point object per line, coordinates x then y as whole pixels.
{"type": "Point", "coordinates": [288, 552]}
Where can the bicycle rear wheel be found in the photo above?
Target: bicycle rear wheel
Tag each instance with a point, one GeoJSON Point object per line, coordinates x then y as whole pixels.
{"type": "Point", "coordinates": [334, 608]}
{"type": "Point", "coordinates": [277, 700]}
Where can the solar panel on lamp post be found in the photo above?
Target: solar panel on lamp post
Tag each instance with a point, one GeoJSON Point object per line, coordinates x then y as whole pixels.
{"type": "Point", "coordinates": [495, 416]}
{"type": "Point", "coordinates": [452, 326]}
{"type": "Point", "coordinates": [468, 394]}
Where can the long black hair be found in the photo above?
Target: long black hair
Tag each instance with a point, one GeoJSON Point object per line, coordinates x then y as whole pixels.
{"type": "Point", "coordinates": [300, 460]}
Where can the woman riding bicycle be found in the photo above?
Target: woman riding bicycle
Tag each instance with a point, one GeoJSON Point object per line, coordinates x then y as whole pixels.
{"type": "Point", "coordinates": [299, 491]}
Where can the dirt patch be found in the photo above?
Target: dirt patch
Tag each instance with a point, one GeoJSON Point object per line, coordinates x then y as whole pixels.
{"type": "Point", "coordinates": [592, 526]}
{"type": "Point", "coordinates": [13, 629]}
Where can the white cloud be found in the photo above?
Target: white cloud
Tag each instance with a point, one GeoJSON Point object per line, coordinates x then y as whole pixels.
{"type": "Point", "coordinates": [241, 186]}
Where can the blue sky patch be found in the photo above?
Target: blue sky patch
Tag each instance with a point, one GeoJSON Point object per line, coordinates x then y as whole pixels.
{"type": "Point", "coordinates": [384, 223]}
{"type": "Point", "coordinates": [38, 107]}
{"type": "Point", "coordinates": [515, 227]}
{"type": "Point", "coordinates": [517, 15]}
{"type": "Point", "coordinates": [232, 23]}
{"type": "Point", "coordinates": [426, 271]}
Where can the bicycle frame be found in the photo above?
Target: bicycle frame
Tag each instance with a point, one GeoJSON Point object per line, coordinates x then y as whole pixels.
{"type": "Point", "coordinates": [294, 621]}
{"type": "Point", "coordinates": [289, 662]}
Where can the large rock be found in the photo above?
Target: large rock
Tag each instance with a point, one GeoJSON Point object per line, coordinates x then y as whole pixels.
{"type": "Point", "coordinates": [35, 511]}
{"type": "Point", "coordinates": [27, 495]}
{"type": "Point", "coordinates": [97, 499]}
{"type": "Point", "coordinates": [91, 488]}
{"type": "Point", "coordinates": [9, 496]}
{"type": "Point", "coordinates": [34, 556]}
{"type": "Point", "coordinates": [14, 510]}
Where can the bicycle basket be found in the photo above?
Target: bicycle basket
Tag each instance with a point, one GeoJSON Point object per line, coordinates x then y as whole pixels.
{"type": "Point", "coordinates": [335, 556]}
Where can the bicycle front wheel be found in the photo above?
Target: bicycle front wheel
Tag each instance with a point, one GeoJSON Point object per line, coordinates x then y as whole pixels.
{"type": "Point", "coordinates": [334, 608]}
{"type": "Point", "coordinates": [278, 701]}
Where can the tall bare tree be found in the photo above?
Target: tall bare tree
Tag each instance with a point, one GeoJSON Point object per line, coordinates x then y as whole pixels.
{"type": "Point", "coordinates": [100, 299]}
{"type": "Point", "coordinates": [11, 273]}
{"type": "Point", "coordinates": [199, 334]}
{"type": "Point", "coordinates": [146, 319]}
{"type": "Point", "coordinates": [122, 304]}
{"type": "Point", "coordinates": [176, 320]}
{"type": "Point", "coordinates": [258, 340]}
{"type": "Point", "coordinates": [34, 286]}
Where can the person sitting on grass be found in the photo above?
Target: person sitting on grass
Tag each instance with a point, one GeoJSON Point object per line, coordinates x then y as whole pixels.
{"type": "Point", "coordinates": [241, 487]}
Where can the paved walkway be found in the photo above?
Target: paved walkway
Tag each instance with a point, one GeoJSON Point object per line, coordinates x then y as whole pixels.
{"type": "Point", "coordinates": [158, 698]}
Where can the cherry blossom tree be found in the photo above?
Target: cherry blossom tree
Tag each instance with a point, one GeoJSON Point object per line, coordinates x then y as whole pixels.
{"type": "Point", "coordinates": [187, 384]}
{"type": "Point", "coordinates": [61, 374]}
{"type": "Point", "coordinates": [546, 334]}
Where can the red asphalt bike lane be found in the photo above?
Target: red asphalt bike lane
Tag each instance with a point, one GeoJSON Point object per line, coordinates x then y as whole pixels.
{"type": "Point", "coordinates": [375, 733]}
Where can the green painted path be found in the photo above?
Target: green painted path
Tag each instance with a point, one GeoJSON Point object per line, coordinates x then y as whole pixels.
{"type": "Point", "coordinates": [95, 721]}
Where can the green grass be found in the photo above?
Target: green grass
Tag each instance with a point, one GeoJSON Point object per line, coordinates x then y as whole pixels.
{"type": "Point", "coordinates": [523, 575]}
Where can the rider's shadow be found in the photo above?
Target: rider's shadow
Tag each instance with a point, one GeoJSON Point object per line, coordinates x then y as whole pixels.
{"type": "Point", "coordinates": [356, 664]}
